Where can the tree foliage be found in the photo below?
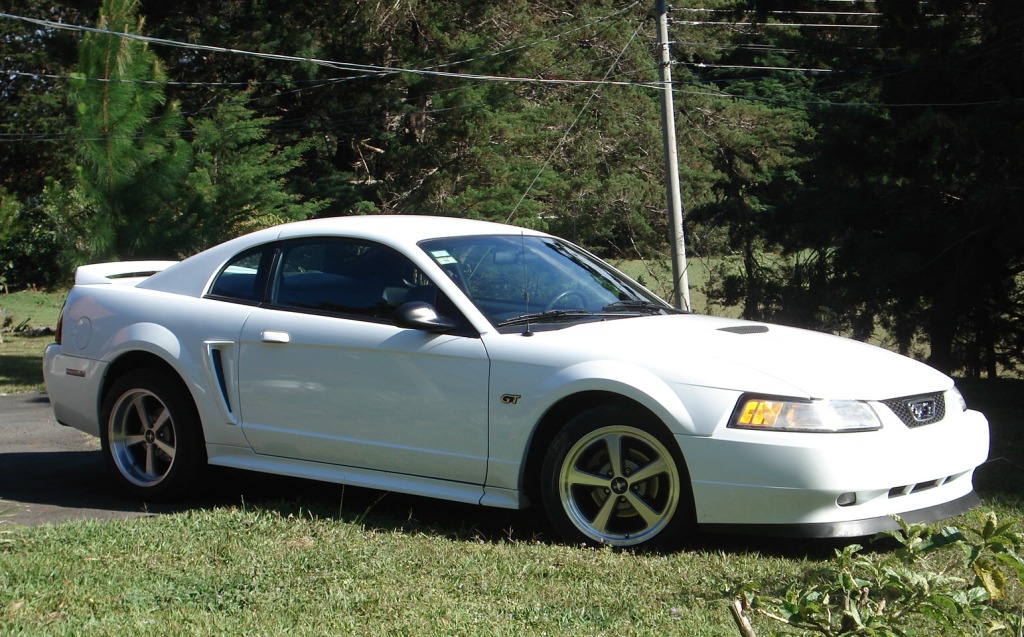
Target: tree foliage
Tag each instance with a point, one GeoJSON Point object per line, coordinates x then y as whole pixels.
{"type": "Point", "coordinates": [237, 179]}
{"type": "Point", "coordinates": [35, 122]}
{"type": "Point", "coordinates": [142, 185]}
{"type": "Point", "coordinates": [897, 215]}
{"type": "Point", "coordinates": [855, 180]}
{"type": "Point", "coordinates": [132, 159]}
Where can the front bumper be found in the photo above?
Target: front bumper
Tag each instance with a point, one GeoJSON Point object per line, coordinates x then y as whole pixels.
{"type": "Point", "coordinates": [850, 528]}
{"type": "Point", "coordinates": [835, 485]}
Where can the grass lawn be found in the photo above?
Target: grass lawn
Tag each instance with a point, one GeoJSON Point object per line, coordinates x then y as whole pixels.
{"type": "Point", "coordinates": [20, 355]}
{"type": "Point", "coordinates": [324, 560]}
{"type": "Point", "coordinates": [400, 566]}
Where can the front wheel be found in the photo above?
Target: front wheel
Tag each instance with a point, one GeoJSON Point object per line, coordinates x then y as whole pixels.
{"type": "Point", "coordinates": [613, 477]}
{"type": "Point", "coordinates": [151, 436]}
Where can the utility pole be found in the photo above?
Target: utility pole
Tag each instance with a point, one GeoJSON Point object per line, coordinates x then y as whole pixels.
{"type": "Point", "coordinates": [680, 280]}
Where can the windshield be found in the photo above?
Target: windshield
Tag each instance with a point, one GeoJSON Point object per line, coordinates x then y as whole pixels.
{"type": "Point", "coordinates": [514, 277]}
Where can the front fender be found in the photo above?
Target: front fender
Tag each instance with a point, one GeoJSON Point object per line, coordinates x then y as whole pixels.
{"type": "Point", "coordinates": [624, 379]}
{"type": "Point", "coordinates": [515, 422]}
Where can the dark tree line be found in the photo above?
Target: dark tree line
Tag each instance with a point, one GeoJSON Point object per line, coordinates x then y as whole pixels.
{"type": "Point", "coordinates": [857, 180]}
{"type": "Point", "coordinates": [905, 210]}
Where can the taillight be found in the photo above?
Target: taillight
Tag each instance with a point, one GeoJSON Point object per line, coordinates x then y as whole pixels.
{"type": "Point", "coordinates": [58, 334]}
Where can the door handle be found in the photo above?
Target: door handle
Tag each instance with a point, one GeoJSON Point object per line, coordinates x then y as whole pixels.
{"type": "Point", "coordinates": [274, 336]}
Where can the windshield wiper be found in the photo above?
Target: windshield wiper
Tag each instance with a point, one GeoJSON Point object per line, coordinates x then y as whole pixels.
{"type": "Point", "coordinates": [617, 309]}
{"type": "Point", "coordinates": [549, 315]}
{"type": "Point", "coordinates": [639, 305]}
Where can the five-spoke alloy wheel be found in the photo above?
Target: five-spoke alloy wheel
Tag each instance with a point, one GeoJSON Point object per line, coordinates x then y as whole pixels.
{"type": "Point", "coordinates": [612, 478]}
{"type": "Point", "coordinates": [150, 434]}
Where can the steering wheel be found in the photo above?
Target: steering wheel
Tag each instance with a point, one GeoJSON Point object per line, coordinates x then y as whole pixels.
{"type": "Point", "coordinates": [553, 303]}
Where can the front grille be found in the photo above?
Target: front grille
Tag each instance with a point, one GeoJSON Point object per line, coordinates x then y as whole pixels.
{"type": "Point", "coordinates": [917, 411]}
{"type": "Point", "coordinates": [918, 487]}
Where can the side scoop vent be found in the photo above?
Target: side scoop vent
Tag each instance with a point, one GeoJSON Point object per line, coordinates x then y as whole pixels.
{"type": "Point", "coordinates": [745, 329]}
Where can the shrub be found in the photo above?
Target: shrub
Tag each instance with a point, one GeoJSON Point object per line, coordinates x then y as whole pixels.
{"type": "Point", "coordinates": [948, 579]}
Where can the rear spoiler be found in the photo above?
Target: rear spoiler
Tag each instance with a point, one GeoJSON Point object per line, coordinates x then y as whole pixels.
{"type": "Point", "coordinates": [119, 272]}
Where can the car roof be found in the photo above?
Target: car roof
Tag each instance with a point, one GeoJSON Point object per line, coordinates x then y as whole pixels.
{"type": "Point", "coordinates": [403, 232]}
{"type": "Point", "coordinates": [395, 229]}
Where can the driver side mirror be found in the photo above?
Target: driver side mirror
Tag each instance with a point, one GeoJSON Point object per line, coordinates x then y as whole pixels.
{"type": "Point", "coordinates": [418, 315]}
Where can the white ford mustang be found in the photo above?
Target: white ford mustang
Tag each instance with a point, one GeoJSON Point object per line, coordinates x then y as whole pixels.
{"type": "Point", "coordinates": [489, 364]}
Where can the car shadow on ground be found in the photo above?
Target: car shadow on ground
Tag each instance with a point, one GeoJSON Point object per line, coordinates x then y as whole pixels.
{"type": "Point", "coordinates": [54, 486]}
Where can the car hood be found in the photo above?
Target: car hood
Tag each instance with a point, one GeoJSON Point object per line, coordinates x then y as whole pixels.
{"type": "Point", "coordinates": [746, 356]}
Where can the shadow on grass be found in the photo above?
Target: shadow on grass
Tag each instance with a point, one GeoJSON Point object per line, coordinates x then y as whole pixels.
{"type": "Point", "coordinates": [21, 361]}
{"type": "Point", "coordinates": [21, 370]}
{"type": "Point", "coordinates": [79, 481]}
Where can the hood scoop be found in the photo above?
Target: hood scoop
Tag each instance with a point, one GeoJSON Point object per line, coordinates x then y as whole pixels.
{"type": "Point", "coordinates": [745, 329]}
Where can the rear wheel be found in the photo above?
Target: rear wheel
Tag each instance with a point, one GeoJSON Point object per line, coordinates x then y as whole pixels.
{"type": "Point", "coordinates": [614, 477]}
{"type": "Point", "coordinates": [151, 435]}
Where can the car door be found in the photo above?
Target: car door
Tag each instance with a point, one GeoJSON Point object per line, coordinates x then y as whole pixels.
{"type": "Point", "coordinates": [326, 376]}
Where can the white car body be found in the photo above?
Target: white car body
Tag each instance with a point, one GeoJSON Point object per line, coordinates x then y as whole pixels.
{"type": "Point", "coordinates": [468, 415]}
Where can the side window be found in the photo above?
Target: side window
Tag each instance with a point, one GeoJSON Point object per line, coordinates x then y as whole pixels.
{"type": "Point", "coordinates": [349, 277]}
{"type": "Point", "coordinates": [244, 278]}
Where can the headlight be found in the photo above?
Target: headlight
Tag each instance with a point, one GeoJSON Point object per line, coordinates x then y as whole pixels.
{"type": "Point", "coordinates": [790, 414]}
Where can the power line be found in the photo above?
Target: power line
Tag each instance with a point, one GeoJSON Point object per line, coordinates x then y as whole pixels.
{"type": "Point", "coordinates": [579, 115]}
{"type": "Point", "coordinates": [369, 69]}
{"type": "Point", "coordinates": [793, 12]}
{"type": "Point", "coordinates": [708, 65]}
{"type": "Point", "coordinates": [775, 24]}
{"type": "Point", "coordinates": [52, 76]}
{"type": "Point", "coordinates": [375, 71]}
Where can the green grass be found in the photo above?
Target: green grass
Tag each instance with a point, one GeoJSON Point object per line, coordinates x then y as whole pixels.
{"type": "Point", "coordinates": [268, 572]}
{"type": "Point", "coordinates": [21, 356]}
{"type": "Point", "coordinates": [656, 275]}
{"type": "Point", "coordinates": [21, 363]}
{"type": "Point", "coordinates": [32, 307]}
{"type": "Point", "coordinates": [282, 569]}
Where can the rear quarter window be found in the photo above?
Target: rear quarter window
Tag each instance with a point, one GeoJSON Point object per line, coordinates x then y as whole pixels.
{"type": "Point", "coordinates": [244, 277]}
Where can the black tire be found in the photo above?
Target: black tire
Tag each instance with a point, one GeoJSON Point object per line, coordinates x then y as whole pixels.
{"type": "Point", "coordinates": [151, 435]}
{"type": "Point", "coordinates": [643, 499]}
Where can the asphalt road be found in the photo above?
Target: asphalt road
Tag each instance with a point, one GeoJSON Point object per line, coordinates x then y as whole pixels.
{"type": "Point", "coordinates": [50, 474]}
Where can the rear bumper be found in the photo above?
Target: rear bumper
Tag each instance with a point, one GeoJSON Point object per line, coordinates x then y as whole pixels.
{"type": "Point", "coordinates": [73, 385]}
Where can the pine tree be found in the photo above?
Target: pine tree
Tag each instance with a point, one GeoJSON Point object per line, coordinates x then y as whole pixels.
{"type": "Point", "coordinates": [132, 158]}
{"type": "Point", "coordinates": [237, 182]}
